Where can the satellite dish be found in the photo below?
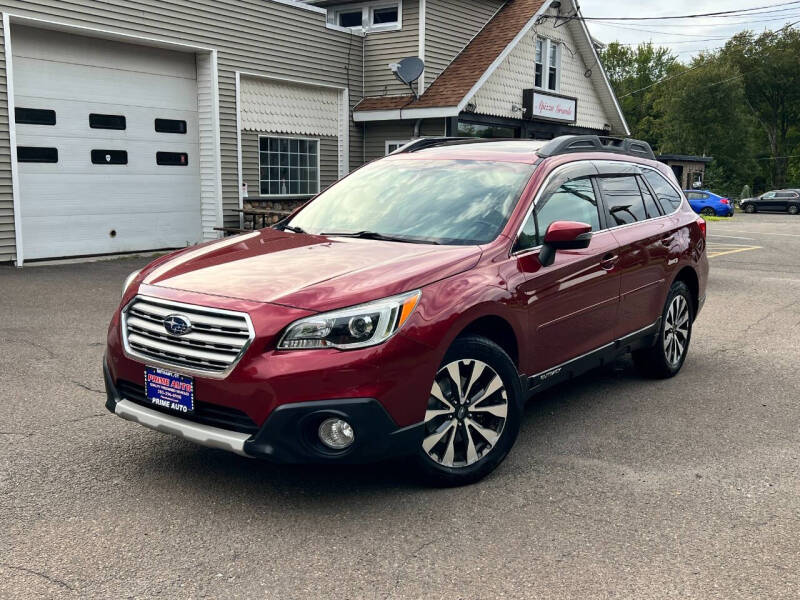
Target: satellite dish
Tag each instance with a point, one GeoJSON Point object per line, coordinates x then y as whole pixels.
{"type": "Point", "coordinates": [408, 70]}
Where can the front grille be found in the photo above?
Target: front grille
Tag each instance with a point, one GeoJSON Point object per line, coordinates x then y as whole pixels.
{"type": "Point", "coordinates": [204, 413]}
{"type": "Point", "coordinates": [213, 347]}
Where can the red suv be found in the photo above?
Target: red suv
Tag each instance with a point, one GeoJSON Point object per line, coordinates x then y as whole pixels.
{"type": "Point", "coordinates": [413, 307]}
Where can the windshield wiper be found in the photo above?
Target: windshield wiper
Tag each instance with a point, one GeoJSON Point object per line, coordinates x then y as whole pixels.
{"type": "Point", "coordinates": [285, 227]}
{"type": "Point", "coordinates": [374, 235]}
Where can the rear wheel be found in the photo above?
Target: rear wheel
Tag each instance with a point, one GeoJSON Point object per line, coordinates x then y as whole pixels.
{"type": "Point", "coordinates": [666, 357]}
{"type": "Point", "coordinates": [794, 209]}
{"type": "Point", "coordinates": [473, 413]}
{"type": "Point", "coordinates": [708, 212]}
{"type": "Point", "coordinates": [749, 208]}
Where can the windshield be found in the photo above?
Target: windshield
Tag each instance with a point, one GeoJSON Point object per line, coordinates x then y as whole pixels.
{"type": "Point", "coordinates": [439, 201]}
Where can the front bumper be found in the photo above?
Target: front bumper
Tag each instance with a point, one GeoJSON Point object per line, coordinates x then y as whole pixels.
{"type": "Point", "coordinates": [289, 435]}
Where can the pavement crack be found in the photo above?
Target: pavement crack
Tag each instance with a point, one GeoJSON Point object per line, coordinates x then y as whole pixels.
{"type": "Point", "coordinates": [45, 349]}
{"type": "Point", "coordinates": [49, 578]}
{"type": "Point", "coordinates": [771, 313]}
{"type": "Point", "coordinates": [86, 387]}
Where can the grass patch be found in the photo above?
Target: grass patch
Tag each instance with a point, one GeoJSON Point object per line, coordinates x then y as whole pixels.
{"type": "Point", "coordinates": [714, 218]}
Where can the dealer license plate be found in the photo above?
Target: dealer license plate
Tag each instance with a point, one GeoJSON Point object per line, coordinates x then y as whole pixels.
{"type": "Point", "coordinates": [169, 390]}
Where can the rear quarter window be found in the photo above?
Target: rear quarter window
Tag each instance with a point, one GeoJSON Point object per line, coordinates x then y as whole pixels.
{"type": "Point", "coordinates": [667, 196]}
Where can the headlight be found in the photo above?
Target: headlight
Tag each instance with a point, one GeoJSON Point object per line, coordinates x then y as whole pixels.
{"type": "Point", "coordinates": [350, 328]}
{"type": "Point", "coordinates": [128, 280]}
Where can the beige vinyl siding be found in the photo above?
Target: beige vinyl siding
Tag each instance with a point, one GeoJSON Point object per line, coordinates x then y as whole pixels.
{"type": "Point", "coordinates": [504, 88]}
{"type": "Point", "coordinates": [257, 36]}
{"type": "Point", "coordinates": [7, 241]}
{"type": "Point", "coordinates": [449, 26]}
{"type": "Point", "coordinates": [377, 134]}
{"type": "Point", "coordinates": [381, 48]}
{"type": "Point", "coordinates": [328, 161]}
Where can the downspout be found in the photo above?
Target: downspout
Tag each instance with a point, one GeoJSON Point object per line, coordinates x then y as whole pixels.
{"type": "Point", "coordinates": [417, 128]}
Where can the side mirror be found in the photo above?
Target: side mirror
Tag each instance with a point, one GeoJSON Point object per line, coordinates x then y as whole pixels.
{"type": "Point", "coordinates": [564, 235]}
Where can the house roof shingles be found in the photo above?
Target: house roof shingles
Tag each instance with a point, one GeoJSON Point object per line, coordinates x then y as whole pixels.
{"type": "Point", "coordinates": [463, 73]}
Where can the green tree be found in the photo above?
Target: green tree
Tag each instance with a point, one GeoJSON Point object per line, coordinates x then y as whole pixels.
{"type": "Point", "coordinates": [769, 65]}
{"type": "Point", "coordinates": [634, 73]}
{"type": "Point", "coordinates": [703, 114]}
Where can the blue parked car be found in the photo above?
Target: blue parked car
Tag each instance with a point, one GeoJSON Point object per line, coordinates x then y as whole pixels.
{"type": "Point", "coordinates": [706, 203]}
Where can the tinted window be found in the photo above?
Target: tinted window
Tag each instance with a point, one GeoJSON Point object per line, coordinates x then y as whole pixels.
{"type": "Point", "coordinates": [623, 200]}
{"type": "Point", "coordinates": [350, 19]}
{"type": "Point", "coordinates": [573, 201]}
{"type": "Point", "coordinates": [649, 202]}
{"type": "Point", "coordinates": [34, 116]}
{"type": "Point", "coordinates": [109, 157]}
{"type": "Point", "coordinates": [665, 193]}
{"type": "Point", "coordinates": [446, 201]}
{"type": "Point", "coordinates": [382, 16]}
{"type": "Point", "coordinates": [180, 159]}
{"type": "Point", "coordinates": [31, 154]}
{"type": "Point", "coordinates": [170, 126]}
{"type": "Point", "coordinates": [106, 121]}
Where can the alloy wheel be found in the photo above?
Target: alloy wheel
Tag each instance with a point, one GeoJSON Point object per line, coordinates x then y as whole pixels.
{"type": "Point", "coordinates": [467, 412]}
{"type": "Point", "coordinates": [676, 329]}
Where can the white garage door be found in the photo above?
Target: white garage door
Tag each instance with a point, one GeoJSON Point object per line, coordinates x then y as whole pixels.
{"type": "Point", "coordinates": [118, 171]}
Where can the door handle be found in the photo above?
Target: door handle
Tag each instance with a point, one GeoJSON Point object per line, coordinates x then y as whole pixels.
{"type": "Point", "coordinates": [609, 261]}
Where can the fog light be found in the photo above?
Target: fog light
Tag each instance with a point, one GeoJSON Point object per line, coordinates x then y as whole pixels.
{"type": "Point", "coordinates": [336, 434]}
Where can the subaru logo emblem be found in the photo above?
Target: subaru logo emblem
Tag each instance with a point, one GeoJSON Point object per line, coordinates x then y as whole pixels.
{"type": "Point", "coordinates": [177, 325]}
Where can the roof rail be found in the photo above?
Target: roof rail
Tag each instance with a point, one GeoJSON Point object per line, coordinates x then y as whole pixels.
{"type": "Point", "coordinates": [566, 144]}
{"type": "Point", "coordinates": [430, 142]}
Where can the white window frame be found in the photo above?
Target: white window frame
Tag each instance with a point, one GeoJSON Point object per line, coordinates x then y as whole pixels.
{"type": "Point", "coordinates": [398, 143]}
{"type": "Point", "coordinates": [549, 47]}
{"type": "Point", "coordinates": [367, 11]}
{"type": "Point", "coordinates": [290, 137]}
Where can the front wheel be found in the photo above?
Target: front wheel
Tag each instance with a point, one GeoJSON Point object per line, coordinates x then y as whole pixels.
{"type": "Point", "coordinates": [473, 413]}
{"type": "Point", "coordinates": [708, 212]}
{"type": "Point", "coordinates": [666, 357]}
{"type": "Point", "coordinates": [749, 208]}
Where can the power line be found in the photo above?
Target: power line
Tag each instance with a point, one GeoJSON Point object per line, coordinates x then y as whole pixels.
{"type": "Point", "coordinates": [630, 27]}
{"type": "Point", "coordinates": [740, 12]}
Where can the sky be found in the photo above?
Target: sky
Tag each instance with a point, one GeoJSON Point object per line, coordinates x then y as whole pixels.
{"type": "Point", "coordinates": [688, 36]}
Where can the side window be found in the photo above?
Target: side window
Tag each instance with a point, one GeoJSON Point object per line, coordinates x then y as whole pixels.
{"type": "Point", "coordinates": [623, 200]}
{"type": "Point", "coordinates": [574, 200]}
{"type": "Point", "coordinates": [667, 197]}
{"type": "Point", "coordinates": [650, 204]}
{"type": "Point", "coordinates": [768, 196]}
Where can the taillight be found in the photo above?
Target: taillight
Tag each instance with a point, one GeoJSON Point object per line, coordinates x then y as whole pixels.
{"type": "Point", "coordinates": [725, 201]}
{"type": "Point", "coordinates": [702, 224]}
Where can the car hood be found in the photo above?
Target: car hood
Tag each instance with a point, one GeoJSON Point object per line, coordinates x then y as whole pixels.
{"type": "Point", "coordinates": [307, 271]}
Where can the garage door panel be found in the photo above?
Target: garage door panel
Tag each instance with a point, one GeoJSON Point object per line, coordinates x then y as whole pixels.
{"type": "Point", "coordinates": [47, 79]}
{"type": "Point", "coordinates": [72, 120]}
{"type": "Point", "coordinates": [165, 230]}
{"type": "Point", "coordinates": [30, 42]}
{"type": "Point", "coordinates": [86, 196]}
{"type": "Point", "coordinates": [75, 156]}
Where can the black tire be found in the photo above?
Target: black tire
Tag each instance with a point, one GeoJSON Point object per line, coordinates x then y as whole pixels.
{"type": "Point", "coordinates": [656, 362]}
{"type": "Point", "coordinates": [468, 353]}
{"type": "Point", "coordinates": [749, 208]}
{"type": "Point", "coordinates": [794, 209]}
{"type": "Point", "coordinates": [708, 212]}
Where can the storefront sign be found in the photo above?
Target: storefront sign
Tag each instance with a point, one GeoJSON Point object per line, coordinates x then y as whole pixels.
{"type": "Point", "coordinates": [550, 107]}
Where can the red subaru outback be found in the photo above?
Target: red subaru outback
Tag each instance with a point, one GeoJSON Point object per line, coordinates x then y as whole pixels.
{"type": "Point", "coordinates": [413, 307]}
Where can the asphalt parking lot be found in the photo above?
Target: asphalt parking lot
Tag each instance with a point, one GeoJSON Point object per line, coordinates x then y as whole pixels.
{"type": "Point", "coordinates": [618, 487]}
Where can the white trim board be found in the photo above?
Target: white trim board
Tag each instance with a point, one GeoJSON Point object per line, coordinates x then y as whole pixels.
{"type": "Point", "coordinates": [19, 255]}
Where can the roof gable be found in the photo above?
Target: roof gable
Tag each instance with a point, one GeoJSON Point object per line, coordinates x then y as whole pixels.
{"type": "Point", "coordinates": [469, 71]}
